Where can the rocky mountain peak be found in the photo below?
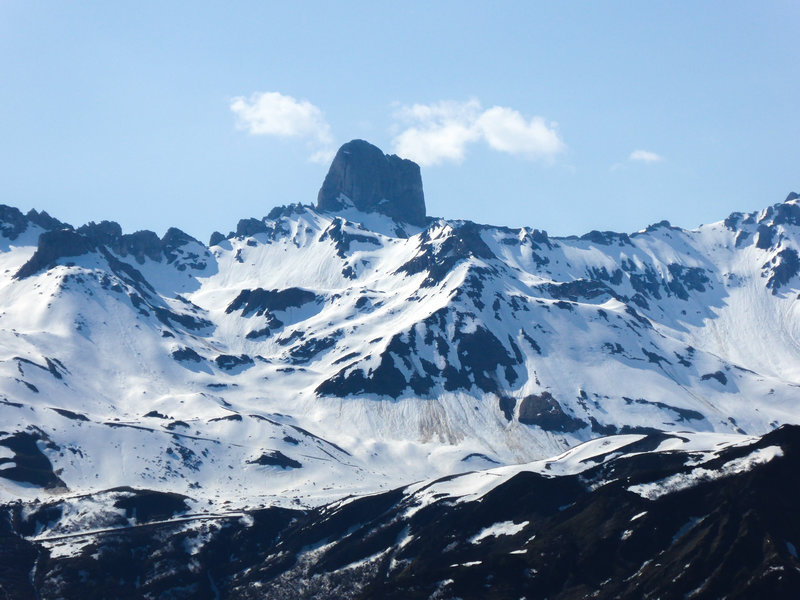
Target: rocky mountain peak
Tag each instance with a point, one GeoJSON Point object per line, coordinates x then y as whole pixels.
{"type": "Point", "coordinates": [374, 182]}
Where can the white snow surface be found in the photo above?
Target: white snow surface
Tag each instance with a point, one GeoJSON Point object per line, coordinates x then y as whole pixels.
{"type": "Point", "coordinates": [89, 368]}
{"type": "Point", "coordinates": [498, 529]}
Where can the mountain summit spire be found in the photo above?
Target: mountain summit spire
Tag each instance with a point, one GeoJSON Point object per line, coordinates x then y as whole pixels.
{"type": "Point", "coordinates": [374, 182]}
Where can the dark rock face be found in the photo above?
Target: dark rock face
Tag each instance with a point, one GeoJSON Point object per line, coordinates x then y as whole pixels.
{"type": "Point", "coordinates": [64, 241]}
{"type": "Point", "coordinates": [45, 221]}
{"type": "Point", "coordinates": [374, 182]}
{"type": "Point", "coordinates": [607, 238]}
{"type": "Point", "coordinates": [543, 410]}
{"type": "Point", "coordinates": [52, 246]}
{"type": "Point", "coordinates": [230, 361]}
{"type": "Point", "coordinates": [215, 238]}
{"type": "Point", "coordinates": [507, 405]}
{"type": "Point", "coordinates": [260, 301]}
{"type": "Point", "coordinates": [105, 232]}
{"type": "Point", "coordinates": [782, 267]}
{"type": "Point", "coordinates": [276, 458]}
{"type": "Point", "coordinates": [718, 375]}
{"type": "Point", "coordinates": [140, 244]}
{"type": "Point", "coordinates": [483, 362]}
{"type": "Point", "coordinates": [186, 354]}
{"type": "Point", "coordinates": [174, 239]}
{"type": "Point", "coordinates": [13, 222]}
{"type": "Point", "coordinates": [150, 505]}
{"type": "Point", "coordinates": [764, 237]}
{"type": "Point", "coordinates": [248, 227]}
{"type": "Point", "coordinates": [343, 239]}
{"type": "Point", "coordinates": [28, 464]}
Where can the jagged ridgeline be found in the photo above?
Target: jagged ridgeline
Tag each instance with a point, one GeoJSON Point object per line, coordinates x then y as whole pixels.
{"type": "Point", "coordinates": [501, 344]}
{"type": "Point", "coordinates": [158, 388]}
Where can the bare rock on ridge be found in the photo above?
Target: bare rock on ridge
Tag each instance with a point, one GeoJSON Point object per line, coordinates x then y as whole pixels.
{"type": "Point", "coordinates": [374, 182]}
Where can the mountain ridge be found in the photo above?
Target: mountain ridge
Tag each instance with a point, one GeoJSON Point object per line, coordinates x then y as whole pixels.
{"type": "Point", "coordinates": [415, 351]}
{"type": "Point", "coordinates": [449, 265]}
{"type": "Point", "coordinates": [290, 381]}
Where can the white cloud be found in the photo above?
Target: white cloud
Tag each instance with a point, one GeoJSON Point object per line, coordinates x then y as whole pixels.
{"type": "Point", "coordinates": [434, 133]}
{"type": "Point", "coordinates": [645, 156]}
{"type": "Point", "coordinates": [437, 132]}
{"type": "Point", "coordinates": [506, 130]}
{"type": "Point", "coordinates": [272, 113]}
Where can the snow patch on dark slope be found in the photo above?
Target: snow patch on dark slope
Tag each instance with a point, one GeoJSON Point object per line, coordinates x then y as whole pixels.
{"type": "Point", "coordinates": [616, 517]}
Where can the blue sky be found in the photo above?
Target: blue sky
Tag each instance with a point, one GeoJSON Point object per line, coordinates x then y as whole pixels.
{"type": "Point", "coordinates": [566, 116]}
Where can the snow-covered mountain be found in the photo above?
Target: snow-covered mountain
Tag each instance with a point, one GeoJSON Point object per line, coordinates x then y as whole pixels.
{"type": "Point", "coordinates": [306, 369]}
{"type": "Point", "coordinates": [313, 353]}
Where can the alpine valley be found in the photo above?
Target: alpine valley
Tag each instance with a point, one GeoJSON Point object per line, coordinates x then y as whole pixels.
{"type": "Point", "coordinates": [357, 400]}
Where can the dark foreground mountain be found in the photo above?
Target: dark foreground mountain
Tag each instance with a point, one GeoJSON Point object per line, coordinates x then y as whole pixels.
{"type": "Point", "coordinates": [628, 516]}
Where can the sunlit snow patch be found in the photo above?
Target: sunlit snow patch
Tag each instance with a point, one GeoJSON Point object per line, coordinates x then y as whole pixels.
{"type": "Point", "coordinates": [498, 529]}
{"type": "Point", "coordinates": [682, 481]}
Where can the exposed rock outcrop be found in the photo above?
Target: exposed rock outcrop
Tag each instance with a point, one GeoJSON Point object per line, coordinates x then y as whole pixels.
{"type": "Point", "coordinates": [52, 246]}
{"type": "Point", "coordinates": [13, 222]}
{"type": "Point", "coordinates": [374, 182]}
{"type": "Point", "coordinates": [68, 242]}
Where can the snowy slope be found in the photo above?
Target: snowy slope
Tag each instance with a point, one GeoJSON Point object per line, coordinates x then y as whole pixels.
{"type": "Point", "coordinates": [310, 355]}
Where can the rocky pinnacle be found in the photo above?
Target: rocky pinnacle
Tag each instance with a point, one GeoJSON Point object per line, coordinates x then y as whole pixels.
{"type": "Point", "coordinates": [374, 182]}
